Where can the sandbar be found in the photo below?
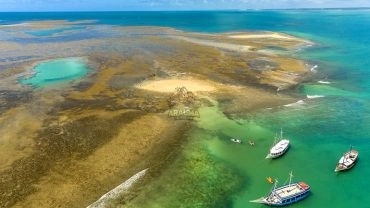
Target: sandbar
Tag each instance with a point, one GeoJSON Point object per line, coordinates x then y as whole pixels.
{"type": "Point", "coordinates": [270, 35]}
{"type": "Point", "coordinates": [170, 85]}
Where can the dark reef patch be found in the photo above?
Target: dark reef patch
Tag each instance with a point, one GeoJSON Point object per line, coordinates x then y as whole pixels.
{"type": "Point", "coordinates": [10, 99]}
{"type": "Point", "coordinates": [57, 144]}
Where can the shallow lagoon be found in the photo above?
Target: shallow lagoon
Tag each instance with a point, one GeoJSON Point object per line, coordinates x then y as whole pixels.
{"type": "Point", "coordinates": [57, 71]}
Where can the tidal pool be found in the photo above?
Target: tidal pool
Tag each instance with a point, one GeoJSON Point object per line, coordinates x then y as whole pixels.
{"type": "Point", "coordinates": [57, 71]}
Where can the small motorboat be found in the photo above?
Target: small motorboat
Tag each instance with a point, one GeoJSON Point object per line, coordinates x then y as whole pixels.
{"type": "Point", "coordinates": [236, 140]}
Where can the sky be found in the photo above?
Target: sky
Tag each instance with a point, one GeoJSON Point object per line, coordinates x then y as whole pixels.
{"type": "Point", "coordinates": [155, 5]}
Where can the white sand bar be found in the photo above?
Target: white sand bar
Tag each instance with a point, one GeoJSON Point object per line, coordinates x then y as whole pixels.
{"type": "Point", "coordinates": [170, 85]}
{"type": "Point", "coordinates": [216, 44]}
{"type": "Point", "coordinates": [277, 36]}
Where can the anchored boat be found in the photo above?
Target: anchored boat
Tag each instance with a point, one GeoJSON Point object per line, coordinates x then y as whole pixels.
{"type": "Point", "coordinates": [279, 147]}
{"type": "Point", "coordinates": [285, 195]}
{"type": "Point", "coordinates": [347, 161]}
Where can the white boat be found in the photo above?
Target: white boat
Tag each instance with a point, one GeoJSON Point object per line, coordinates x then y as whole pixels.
{"type": "Point", "coordinates": [347, 161]}
{"type": "Point", "coordinates": [286, 194]}
{"type": "Point", "coordinates": [279, 147]}
{"type": "Point", "coordinates": [236, 140]}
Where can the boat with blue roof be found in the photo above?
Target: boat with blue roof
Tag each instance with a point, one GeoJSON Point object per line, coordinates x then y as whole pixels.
{"type": "Point", "coordinates": [286, 194]}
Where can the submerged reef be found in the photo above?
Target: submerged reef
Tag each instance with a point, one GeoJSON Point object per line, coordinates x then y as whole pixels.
{"type": "Point", "coordinates": [66, 144]}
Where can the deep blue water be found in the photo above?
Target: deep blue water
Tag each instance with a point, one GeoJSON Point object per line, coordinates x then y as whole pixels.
{"type": "Point", "coordinates": [321, 128]}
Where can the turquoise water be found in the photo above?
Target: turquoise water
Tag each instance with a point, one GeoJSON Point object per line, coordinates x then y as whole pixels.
{"type": "Point", "coordinates": [57, 71]}
{"type": "Point", "coordinates": [318, 134]}
{"type": "Point", "coordinates": [320, 129]}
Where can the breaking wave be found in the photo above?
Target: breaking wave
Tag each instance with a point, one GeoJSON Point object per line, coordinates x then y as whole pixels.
{"type": "Point", "coordinates": [314, 96]}
{"type": "Point", "coordinates": [324, 82]}
{"type": "Point", "coordinates": [298, 103]}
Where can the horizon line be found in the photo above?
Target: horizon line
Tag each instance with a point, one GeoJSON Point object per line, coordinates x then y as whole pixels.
{"type": "Point", "coordinates": [193, 10]}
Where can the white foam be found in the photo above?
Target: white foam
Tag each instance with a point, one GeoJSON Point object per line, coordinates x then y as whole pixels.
{"type": "Point", "coordinates": [313, 69]}
{"type": "Point", "coordinates": [114, 193]}
{"type": "Point", "coordinates": [324, 82]}
{"type": "Point", "coordinates": [14, 25]}
{"type": "Point", "coordinates": [298, 103]}
{"type": "Point", "coordinates": [314, 96]}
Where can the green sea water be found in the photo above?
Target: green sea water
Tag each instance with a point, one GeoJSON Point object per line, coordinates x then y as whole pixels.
{"type": "Point", "coordinates": [321, 127]}
{"type": "Point", "coordinates": [212, 171]}
{"type": "Point", "coordinates": [57, 71]}
{"type": "Point", "coordinates": [312, 156]}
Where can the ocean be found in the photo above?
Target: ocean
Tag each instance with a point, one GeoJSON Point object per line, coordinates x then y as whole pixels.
{"type": "Point", "coordinates": [333, 114]}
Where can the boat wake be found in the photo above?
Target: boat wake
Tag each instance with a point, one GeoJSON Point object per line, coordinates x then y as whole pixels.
{"type": "Point", "coordinates": [260, 200]}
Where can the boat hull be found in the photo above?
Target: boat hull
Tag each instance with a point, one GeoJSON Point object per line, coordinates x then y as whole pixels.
{"type": "Point", "coordinates": [292, 201]}
{"type": "Point", "coordinates": [347, 161]}
{"type": "Point", "coordinates": [344, 168]}
{"type": "Point", "coordinates": [286, 195]}
{"type": "Point", "coordinates": [278, 151]}
{"type": "Point", "coordinates": [271, 156]}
